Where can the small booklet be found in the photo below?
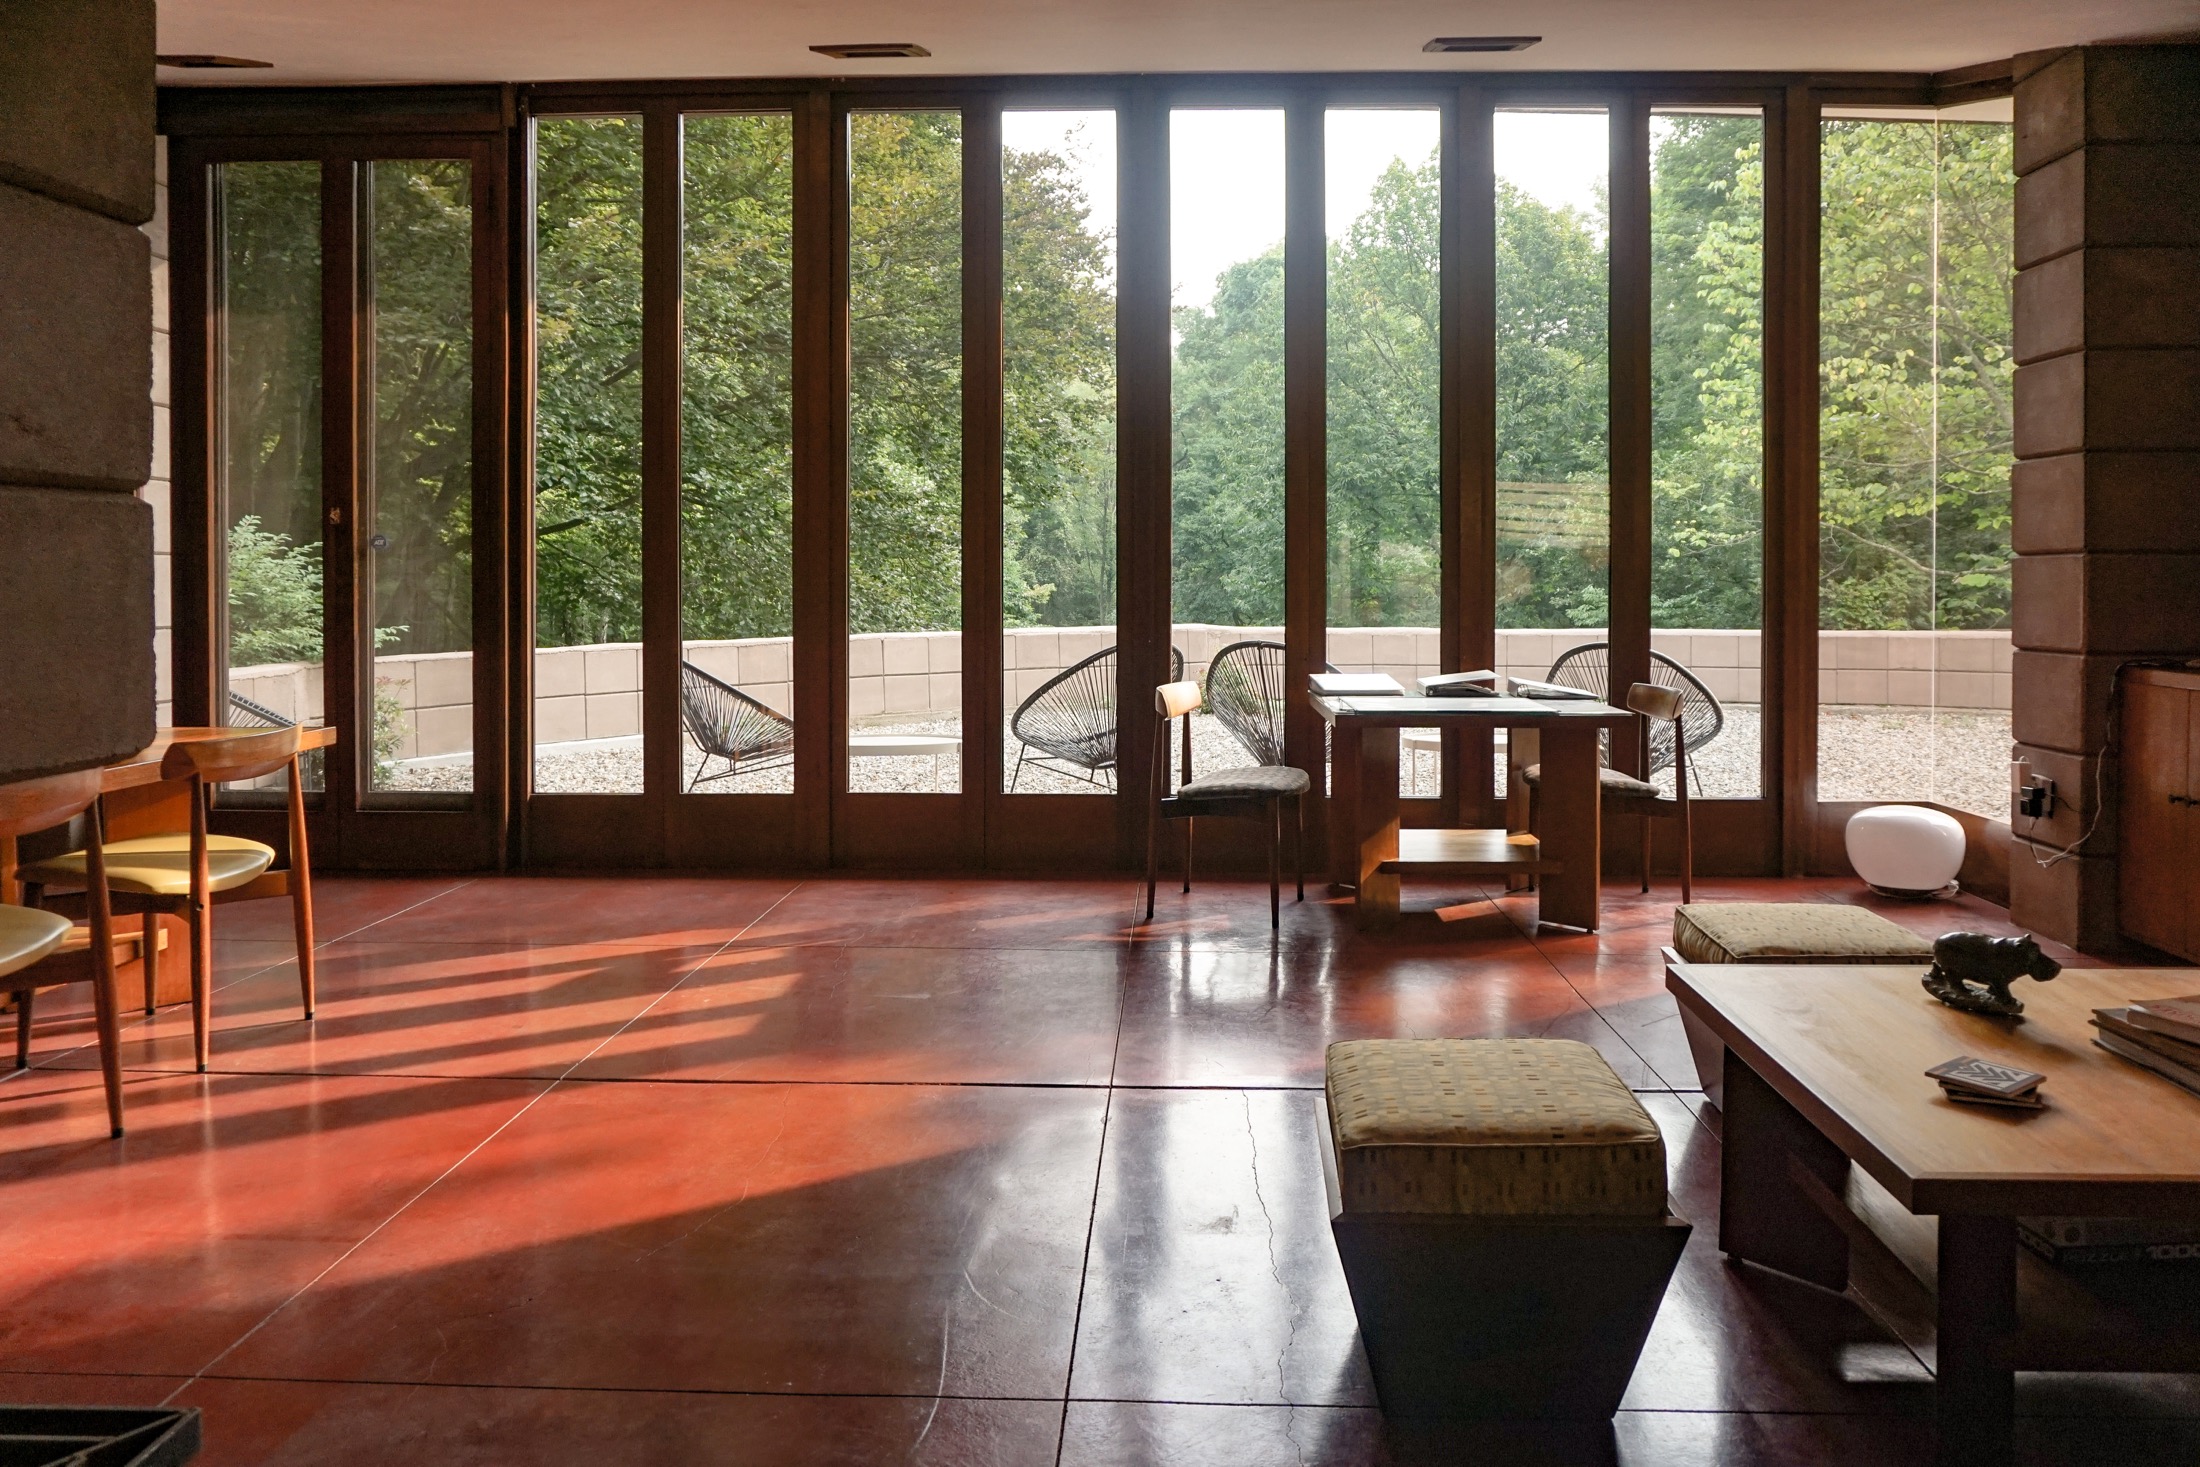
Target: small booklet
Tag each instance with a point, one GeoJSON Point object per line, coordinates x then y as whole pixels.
{"type": "Point", "coordinates": [2179, 1018]}
{"type": "Point", "coordinates": [1528, 687]}
{"type": "Point", "coordinates": [1984, 1078]}
{"type": "Point", "coordinates": [1354, 685]}
{"type": "Point", "coordinates": [1481, 684]}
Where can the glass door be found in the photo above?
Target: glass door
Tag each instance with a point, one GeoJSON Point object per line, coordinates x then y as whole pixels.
{"type": "Point", "coordinates": [352, 448]}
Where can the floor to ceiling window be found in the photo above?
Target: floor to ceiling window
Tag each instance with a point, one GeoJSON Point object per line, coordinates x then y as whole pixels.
{"type": "Point", "coordinates": [267, 418]}
{"type": "Point", "coordinates": [1385, 243]}
{"type": "Point", "coordinates": [1707, 211]}
{"type": "Point", "coordinates": [1058, 665]}
{"type": "Point", "coordinates": [588, 455]}
{"type": "Point", "coordinates": [1553, 390]}
{"type": "Point", "coordinates": [1915, 449]}
{"type": "Point", "coordinates": [1226, 227]}
{"type": "Point", "coordinates": [737, 454]}
{"type": "Point", "coordinates": [417, 481]}
{"type": "Point", "coordinates": [905, 240]}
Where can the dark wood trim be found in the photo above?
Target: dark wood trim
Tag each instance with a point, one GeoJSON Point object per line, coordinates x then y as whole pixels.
{"type": "Point", "coordinates": [1982, 82]}
{"type": "Point", "coordinates": [491, 542]}
{"type": "Point", "coordinates": [245, 112]}
{"type": "Point", "coordinates": [519, 499]}
{"type": "Point", "coordinates": [1790, 642]}
{"type": "Point", "coordinates": [661, 371]}
{"type": "Point", "coordinates": [194, 261]}
{"type": "Point", "coordinates": [1305, 438]}
{"type": "Point", "coordinates": [1470, 355]}
{"type": "Point", "coordinates": [1628, 465]}
{"type": "Point", "coordinates": [1142, 446]}
{"type": "Point", "coordinates": [346, 332]}
{"type": "Point", "coordinates": [820, 471]}
{"type": "Point", "coordinates": [982, 470]}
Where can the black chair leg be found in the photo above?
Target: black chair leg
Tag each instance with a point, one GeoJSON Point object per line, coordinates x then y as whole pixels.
{"type": "Point", "coordinates": [1275, 865]}
{"type": "Point", "coordinates": [1189, 822]}
{"type": "Point", "coordinates": [1644, 822]}
{"type": "Point", "coordinates": [1298, 846]}
{"type": "Point", "coordinates": [1153, 860]}
{"type": "Point", "coordinates": [150, 933]}
{"type": "Point", "coordinates": [23, 1029]}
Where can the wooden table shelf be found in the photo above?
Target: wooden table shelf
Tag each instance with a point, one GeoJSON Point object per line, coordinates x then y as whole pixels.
{"type": "Point", "coordinates": [1486, 852]}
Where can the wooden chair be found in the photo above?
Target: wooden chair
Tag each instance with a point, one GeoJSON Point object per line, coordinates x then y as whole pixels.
{"type": "Point", "coordinates": [190, 872]}
{"type": "Point", "coordinates": [1663, 715]}
{"type": "Point", "coordinates": [39, 949]}
{"type": "Point", "coordinates": [1257, 792]}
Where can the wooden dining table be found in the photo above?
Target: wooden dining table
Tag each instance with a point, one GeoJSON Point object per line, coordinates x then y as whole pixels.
{"type": "Point", "coordinates": [135, 800]}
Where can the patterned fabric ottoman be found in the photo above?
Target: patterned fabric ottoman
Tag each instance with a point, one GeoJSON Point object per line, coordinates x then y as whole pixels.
{"type": "Point", "coordinates": [1803, 933]}
{"type": "Point", "coordinates": [1500, 1209]}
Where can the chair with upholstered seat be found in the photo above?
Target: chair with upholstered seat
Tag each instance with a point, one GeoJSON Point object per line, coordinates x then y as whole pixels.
{"type": "Point", "coordinates": [1255, 793]}
{"type": "Point", "coordinates": [42, 949]}
{"type": "Point", "coordinates": [1664, 718]}
{"type": "Point", "coordinates": [189, 872]}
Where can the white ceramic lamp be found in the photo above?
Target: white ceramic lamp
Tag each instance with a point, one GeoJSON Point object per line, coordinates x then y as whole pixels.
{"type": "Point", "coordinates": [1906, 850]}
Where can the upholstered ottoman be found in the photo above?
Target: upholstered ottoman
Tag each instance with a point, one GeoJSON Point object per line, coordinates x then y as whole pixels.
{"type": "Point", "coordinates": [1821, 933]}
{"type": "Point", "coordinates": [1499, 1207]}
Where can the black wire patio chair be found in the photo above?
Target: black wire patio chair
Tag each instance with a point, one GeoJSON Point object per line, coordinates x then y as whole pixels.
{"type": "Point", "coordinates": [259, 715]}
{"type": "Point", "coordinates": [1246, 684]}
{"type": "Point", "coordinates": [728, 724]}
{"type": "Point", "coordinates": [1070, 721]}
{"type": "Point", "coordinates": [1589, 667]}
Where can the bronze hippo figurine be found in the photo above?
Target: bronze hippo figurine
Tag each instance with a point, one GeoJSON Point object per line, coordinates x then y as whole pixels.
{"type": "Point", "coordinates": [1972, 971]}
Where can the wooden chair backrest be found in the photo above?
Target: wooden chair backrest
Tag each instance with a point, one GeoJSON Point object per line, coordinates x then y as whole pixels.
{"type": "Point", "coordinates": [40, 804]}
{"type": "Point", "coordinates": [1653, 701]}
{"type": "Point", "coordinates": [235, 756]}
{"type": "Point", "coordinates": [1174, 700]}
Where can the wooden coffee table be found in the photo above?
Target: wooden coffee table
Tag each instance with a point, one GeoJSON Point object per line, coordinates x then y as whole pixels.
{"type": "Point", "coordinates": [1824, 1070]}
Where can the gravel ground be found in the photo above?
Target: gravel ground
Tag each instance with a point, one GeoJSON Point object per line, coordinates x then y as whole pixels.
{"type": "Point", "coordinates": [1957, 759]}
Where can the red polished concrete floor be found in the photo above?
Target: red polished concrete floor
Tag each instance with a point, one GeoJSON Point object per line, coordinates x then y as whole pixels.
{"type": "Point", "coordinates": [854, 1171]}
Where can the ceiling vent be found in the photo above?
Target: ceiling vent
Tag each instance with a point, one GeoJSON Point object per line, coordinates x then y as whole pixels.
{"type": "Point", "coordinates": [1481, 43]}
{"type": "Point", "coordinates": [871, 50]}
{"type": "Point", "coordinates": [207, 63]}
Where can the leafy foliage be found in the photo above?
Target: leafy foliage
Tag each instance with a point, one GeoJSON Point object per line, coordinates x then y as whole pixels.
{"type": "Point", "coordinates": [274, 597]}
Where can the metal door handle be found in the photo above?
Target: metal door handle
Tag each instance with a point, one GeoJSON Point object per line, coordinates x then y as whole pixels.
{"type": "Point", "coordinates": [378, 542]}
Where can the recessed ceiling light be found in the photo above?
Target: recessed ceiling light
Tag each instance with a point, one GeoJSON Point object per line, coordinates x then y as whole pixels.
{"type": "Point", "coordinates": [871, 50]}
{"type": "Point", "coordinates": [198, 63]}
{"type": "Point", "coordinates": [1481, 43]}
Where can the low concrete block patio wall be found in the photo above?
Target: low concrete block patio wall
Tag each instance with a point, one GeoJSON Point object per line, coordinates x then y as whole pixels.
{"type": "Point", "coordinates": [584, 693]}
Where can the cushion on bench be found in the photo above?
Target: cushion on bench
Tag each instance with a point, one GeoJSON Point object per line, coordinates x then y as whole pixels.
{"type": "Point", "coordinates": [1792, 932]}
{"type": "Point", "coordinates": [1490, 1128]}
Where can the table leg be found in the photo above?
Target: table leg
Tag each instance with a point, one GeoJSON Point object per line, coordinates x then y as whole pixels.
{"type": "Point", "coordinates": [1769, 1159]}
{"type": "Point", "coordinates": [1976, 1396]}
{"type": "Point", "coordinates": [1344, 796]}
{"type": "Point", "coordinates": [1375, 826]}
{"type": "Point", "coordinates": [1569, 814]}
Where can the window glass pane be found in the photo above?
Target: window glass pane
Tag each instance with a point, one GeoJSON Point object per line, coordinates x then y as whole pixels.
{"type": "Point", "coordinates": [417, 486]}
{"type": "Point", "coordinates": [737, 455]}
{"type": "Point", "coordinates": [1553, 391]}
{"type": "Point", "coordinates": [1058, 528]}
{"type": "Point", "coordinates": [588, 455]}
{"type": "Point", "coordinates": [905, 451]}
{"type": "Point", "coordinates": [1226, 181]}
{"type": "Point", "coordinates": [1707, 438]}
{"type": "Point", "coordinates": [1915, 451]}
{"type": "Point", "coordinates": [1385, 406]}
{"type": "Point", "coordinates": [269, 446]}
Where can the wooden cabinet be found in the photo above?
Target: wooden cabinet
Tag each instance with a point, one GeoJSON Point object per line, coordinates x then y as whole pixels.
{"type": "Point", "coordinates": [2160, 865]}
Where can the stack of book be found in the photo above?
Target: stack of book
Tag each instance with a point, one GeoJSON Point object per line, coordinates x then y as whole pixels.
{"type": "Point", "coordinates": [1970, 1081]}
{"type": "Point", "coordinates": [2162, 1034]}
{"type": "Point", "coordinates": [2110, 1239]}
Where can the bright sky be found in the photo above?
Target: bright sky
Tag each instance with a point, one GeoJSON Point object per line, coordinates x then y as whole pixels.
{"type": "Point", "coordinates": [1226, 171]}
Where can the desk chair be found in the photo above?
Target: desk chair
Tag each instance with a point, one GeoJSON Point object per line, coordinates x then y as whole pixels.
{"type": "Point", "coordinates": [191, 872]}
{"type": "Point", "coordinates": [1257, 792]}
{"type": "Point", "coordinates": [41, 949]}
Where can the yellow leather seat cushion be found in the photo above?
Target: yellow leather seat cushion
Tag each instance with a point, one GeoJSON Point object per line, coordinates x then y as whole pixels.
{"type": "Point", "coordinates": [1490, 1128]}
{"type": "Point", "coordinates": [160, 865]}
{"type": "Point", "coordinates": [26, 935]}
{"type": "Point", "coordinates": [1792, 932]}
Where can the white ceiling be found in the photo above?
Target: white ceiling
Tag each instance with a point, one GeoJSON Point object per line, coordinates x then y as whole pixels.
{"type": "Point", "coordinates": [548, 40]}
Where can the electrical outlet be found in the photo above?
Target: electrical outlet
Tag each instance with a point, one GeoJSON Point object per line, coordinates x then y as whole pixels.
{"type": "Point", "coordinates": [2036, 799]}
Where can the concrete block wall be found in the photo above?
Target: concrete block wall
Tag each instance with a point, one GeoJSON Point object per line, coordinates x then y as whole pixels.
{"type": "Point", "coordinates": [2106, 490]}
{"type": "Point", "coordinates": [156, 491]}
{"type": "Point", "coordinates": [76, 399]}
